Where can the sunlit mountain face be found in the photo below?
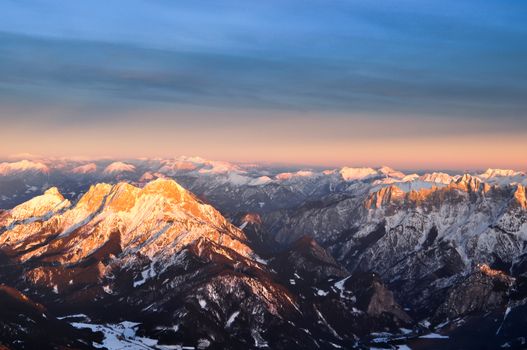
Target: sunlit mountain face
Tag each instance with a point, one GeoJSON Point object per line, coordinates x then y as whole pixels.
{"type": "Point", "coordinates": [355, 174]}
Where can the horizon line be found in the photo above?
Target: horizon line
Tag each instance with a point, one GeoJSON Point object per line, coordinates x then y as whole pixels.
{"type": "Point", "coordinates": [300, 166]}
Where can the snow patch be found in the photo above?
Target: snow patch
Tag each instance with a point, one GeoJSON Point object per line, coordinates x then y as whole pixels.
{"type": "Point", "coordinates": [352, 174]}
{"type": "Point", "coordinates": [260, 260]}
{"type": "Point", "coordinates": [231, 319]}
{"type": "Point", "coordinates": [145, 274]}
{"type": "Point", "coordinates": [298, 174]}
{"type": "Point", "coordinates": [405, 330]}
{"type": "Point", "coordinates": [22, 167]}
{"type": "Point", "coordinates": [340, 286]}
{"type": "Point", "coordinates": [434, 336]}
{"type": "Point", "coordinates": [119, 336]}
{"type": "Point", "coordinates": [85, 169]}
{"type": "Point", "coordinates": [203, 343]}
{"type": "Point", "coordinates": [322, 293]}
{"type": "Point", "coordinates": [119, 167]}
{"type": "Point", "coordinates": [242, 226]}
{"type": "Point", "coordinates": [323, 319]}
{"type": "Point", "coordinates": [73, 316]}
{"type": "Point", "coordinates": [259, 342]}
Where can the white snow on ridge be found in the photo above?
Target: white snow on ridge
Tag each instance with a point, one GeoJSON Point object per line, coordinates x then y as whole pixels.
{"type": "Point", "coordinates": [171, 167]}
{"type": "Point", "coordinates": [219, 167]}
{"type": "Point", "coordinates": [145, 275]}
{"type": "Point", "coordinates": [23, 166]}
{"type": "Point", "coordinates": [440, 178]}
{"type": "Point", "coordinates": [221, 172]}
{"type": "Point", "coordinates": [119, 336]}
{"type": "Point", "coordinates": [503, 177]}
{"type": "Point", "coordinates": [262, 180]}
{"type": "Point", "coordinates": [403, 347]}
{"type": "Point", "coordinates": [340, 284]}
{"type": "Point", "coordinates": [243, 225]}
{"type": "Point", "coordinates": [232, 318]}
{"type": "Point", "coordinates": [289, 176]}
{"type": "Point", "coordinates": [351, 174]}
{"type": "Point", "coordinates": [434, 336]}
{"type": "Point", "coordinates": [414, 182]}
{"type": "Point", "coordinates": [238, 179]}
{"type": "Point", "coordinates": [40, 207]}
{"type": "Point", "coordinates": [391, 172]}
{"type": "Point", "coordinates": [85, 169]}
{"type": "Point", "coordinates": [119, 167]}
{"type": "Point", "coordinates": [259, 341]}
{"type": "Point", "coordinates": [490, 173]}
{"type": "Point", "coordinates": [73, 316]}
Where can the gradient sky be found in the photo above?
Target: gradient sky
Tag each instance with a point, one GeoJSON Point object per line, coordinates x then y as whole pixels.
{"type": "Point", "coordinates": [411, 84]}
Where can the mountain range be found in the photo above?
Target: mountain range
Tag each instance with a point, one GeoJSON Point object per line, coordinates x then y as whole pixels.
{"type": "Point", "coordinates": [192, 253]}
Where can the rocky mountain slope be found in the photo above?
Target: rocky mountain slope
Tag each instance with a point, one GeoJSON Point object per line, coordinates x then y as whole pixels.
{"type": "Point", "coordinates": [179, 271]}
{"type": "Point", "coordinates": [429, 246]}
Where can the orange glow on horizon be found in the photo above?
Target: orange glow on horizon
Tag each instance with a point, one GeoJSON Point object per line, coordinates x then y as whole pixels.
{"type": "Point", "coordinates": [332, 141]}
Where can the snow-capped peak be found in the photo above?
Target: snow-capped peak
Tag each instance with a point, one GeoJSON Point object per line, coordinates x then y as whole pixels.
{"type": "Point", "coordinates": [503, 177]}
{"type": "Point", "coordinates": [23, 166]}
{"type": "Point", "coordinates": [201, 166]}
{"type": "Point", "coordinates": [219, 167]}
{"type": "Point", "coordinates": [300, 173]}
{"type": "Point", "coordinates": [157, 220]}
{"type": "Point", "coordinates": [491, 173]}
{"type": "Point", "coordinates": [172, 167]}
{"type": "Point", "coordinates": [441, 178]}
{"type": "Point", "coordinates": [149, 176]}
{"type": "Point", "coordinates": [40, 206]}
{"type": "Point", "coordinates": [390, 172]}
{"type": "Point", "coordinates": [350, 174]}
{"type": "Point", "coordinates": [262, 180]}
{"type": "Point", "coordinates": [119, 167]}
{"type": "Point", "coordinates": [85, 169]}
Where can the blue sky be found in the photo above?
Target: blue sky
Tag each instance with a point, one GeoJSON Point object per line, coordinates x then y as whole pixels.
{"type": "Point", "coordinates": [71, 63]}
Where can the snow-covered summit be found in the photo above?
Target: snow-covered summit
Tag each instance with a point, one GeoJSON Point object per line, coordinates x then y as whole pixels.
{"type": "Point", "coordinates": [390, 172]}
{"type": "Point", "coordinates": [23, 166]}
{"type": "Point", "coordinates": [351, 174]}
{"type": "Point", "coordinates": [437, 177]}
{"type": "Point", "coordinates": [503, 176]}
{"type": "Point", "coordinates": [85, 169]}
{"type": "Point", "coordinates": [119, 167]}
{"type": "Point", "coordinates": [292, 175]}
{"type": "Point", "coordinates": [40, 207]}
{"type": "Point", "coordinates": [156, 220]}
{"type": "Point", "coordinates": [491, 173]}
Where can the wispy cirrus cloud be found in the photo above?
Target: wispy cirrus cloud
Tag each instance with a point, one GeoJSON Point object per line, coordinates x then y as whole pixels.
{"type": "Point", "coordinates": [33, 67]}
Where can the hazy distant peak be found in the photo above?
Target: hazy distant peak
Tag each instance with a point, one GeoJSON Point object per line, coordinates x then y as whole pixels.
{"type": "Point", "coordinates": [85, 169]}
{"type": "Point", "coordinates": [23, 166]}
{"type": "Point", "coordinates": [350, 174]}
{"type": "Point", "coordinates": [119, 167]}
